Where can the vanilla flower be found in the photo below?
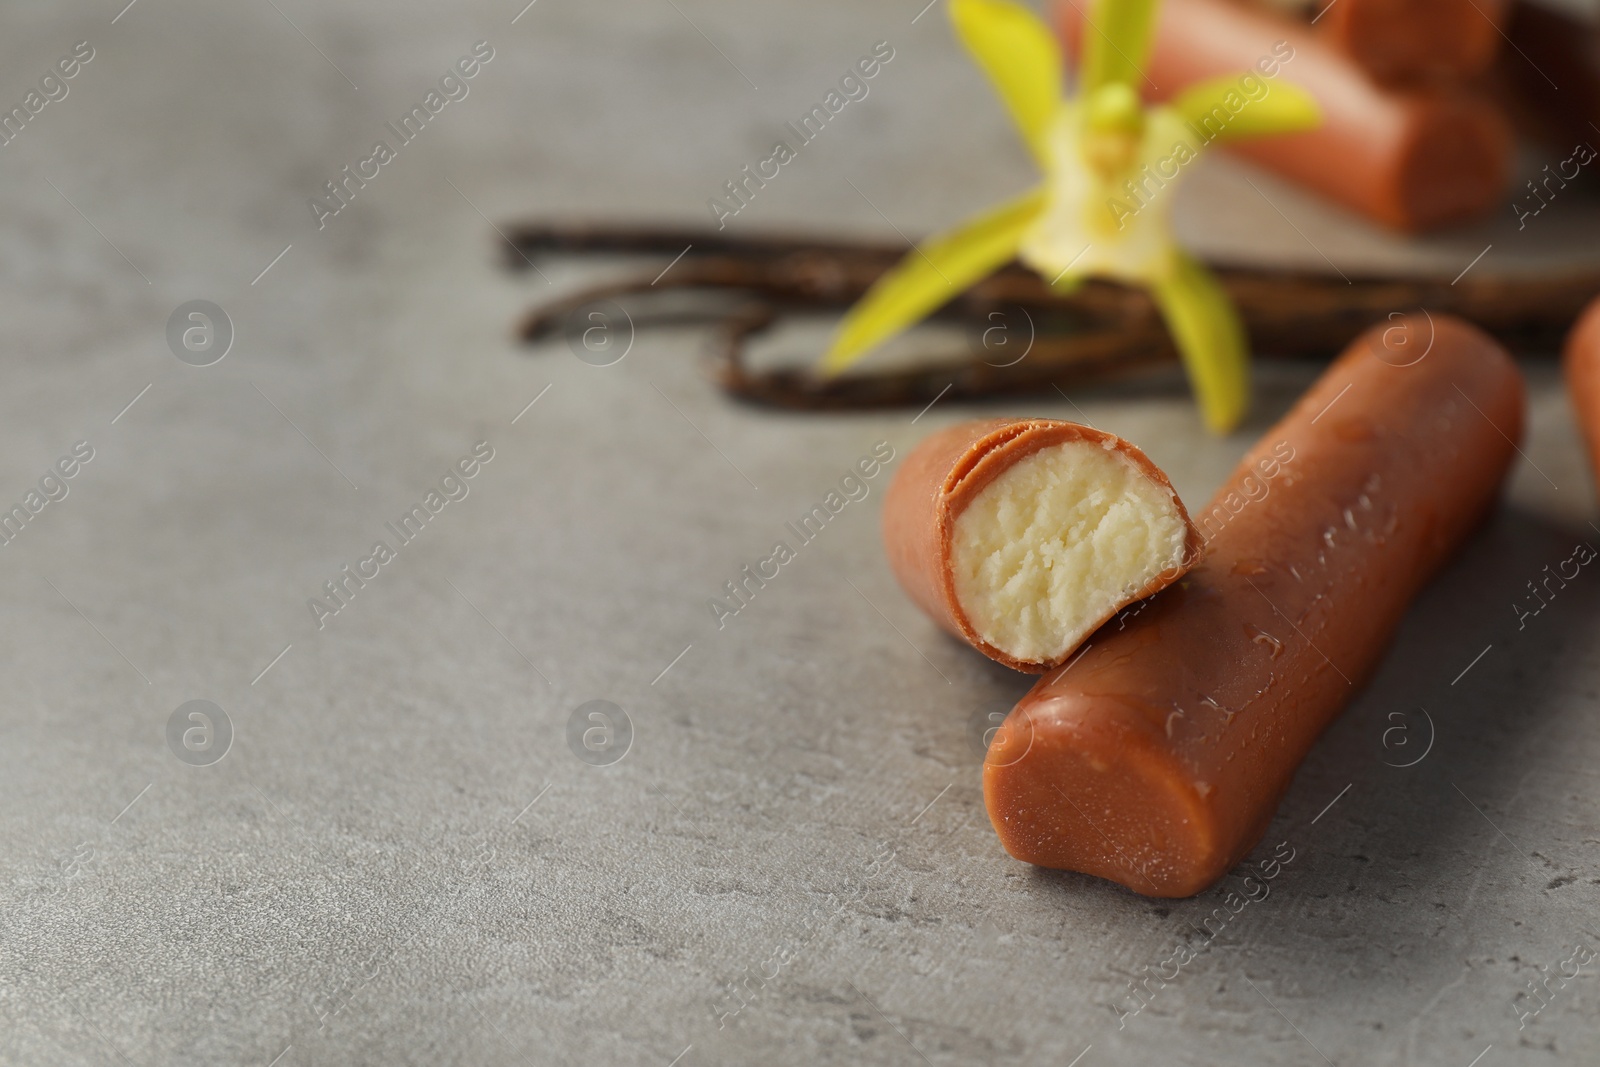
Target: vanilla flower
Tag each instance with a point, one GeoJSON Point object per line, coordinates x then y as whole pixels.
{"type": "Point", "coordinates": [1110, 164]}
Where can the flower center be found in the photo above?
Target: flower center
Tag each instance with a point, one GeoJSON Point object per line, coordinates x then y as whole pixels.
{"type": "Point", "coordinates": [1113, 128]}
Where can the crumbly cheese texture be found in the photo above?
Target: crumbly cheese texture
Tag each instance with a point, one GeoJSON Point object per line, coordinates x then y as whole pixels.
{"type": "Point", "coordinates": [1059, 541]}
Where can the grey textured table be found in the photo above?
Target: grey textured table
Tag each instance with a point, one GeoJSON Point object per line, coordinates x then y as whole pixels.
{"type": "Point", "coordinates": [400, 858]}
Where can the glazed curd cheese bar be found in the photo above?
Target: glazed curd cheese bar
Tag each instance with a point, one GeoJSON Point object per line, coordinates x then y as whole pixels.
{"type": "Point", "coordinates": [1157, 758]}
{"type": "Point", "coordinates": [1412, 159]}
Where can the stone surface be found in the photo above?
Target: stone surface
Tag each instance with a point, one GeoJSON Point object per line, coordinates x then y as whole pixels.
{"type": "Point", "coordinates": [401, 859]}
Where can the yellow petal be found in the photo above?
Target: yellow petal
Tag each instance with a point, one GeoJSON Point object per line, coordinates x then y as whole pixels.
{"type": "Point", "coordinates": [1221, 109]}
{"type": "Point", "coordinates": [1210, 338]}
{"type": "Point", "coordinates": [1116, 42]}
{"type": "Point", "coordinates": [1020, 55]}
{"type": "Point", "coordinates": [930, 276]}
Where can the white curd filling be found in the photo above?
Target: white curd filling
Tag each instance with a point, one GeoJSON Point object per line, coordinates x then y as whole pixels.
{"type": "Point", "coordinates": [1057, 542]}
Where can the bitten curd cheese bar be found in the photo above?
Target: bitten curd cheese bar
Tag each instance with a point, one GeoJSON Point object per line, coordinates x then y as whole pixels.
{"type": "Point", "coordinates": [1157, 757]}
{"type": "Point", "coordinates": [1022, 536]}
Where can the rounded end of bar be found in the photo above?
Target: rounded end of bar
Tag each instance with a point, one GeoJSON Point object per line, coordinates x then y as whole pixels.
{"type": "Point", "coordinates": [1071, 787]}
{"type": "Point", "coordinates": [1417, 39]}
{"type": "Point", "coordinates": [1456, 164]}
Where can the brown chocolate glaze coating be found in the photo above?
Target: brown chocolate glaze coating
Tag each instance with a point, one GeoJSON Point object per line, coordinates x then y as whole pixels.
{"type": "Point", "coordinates": [1156, 759]}
{"type": "Point", "coordinates": [1580, 360]}
{"type": "Point", "coordinates": [1416, 40]}
{"type": "Point", "coordinates": [1409, 159]}
{"type": "Point", "coordinates": [941, 477]}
